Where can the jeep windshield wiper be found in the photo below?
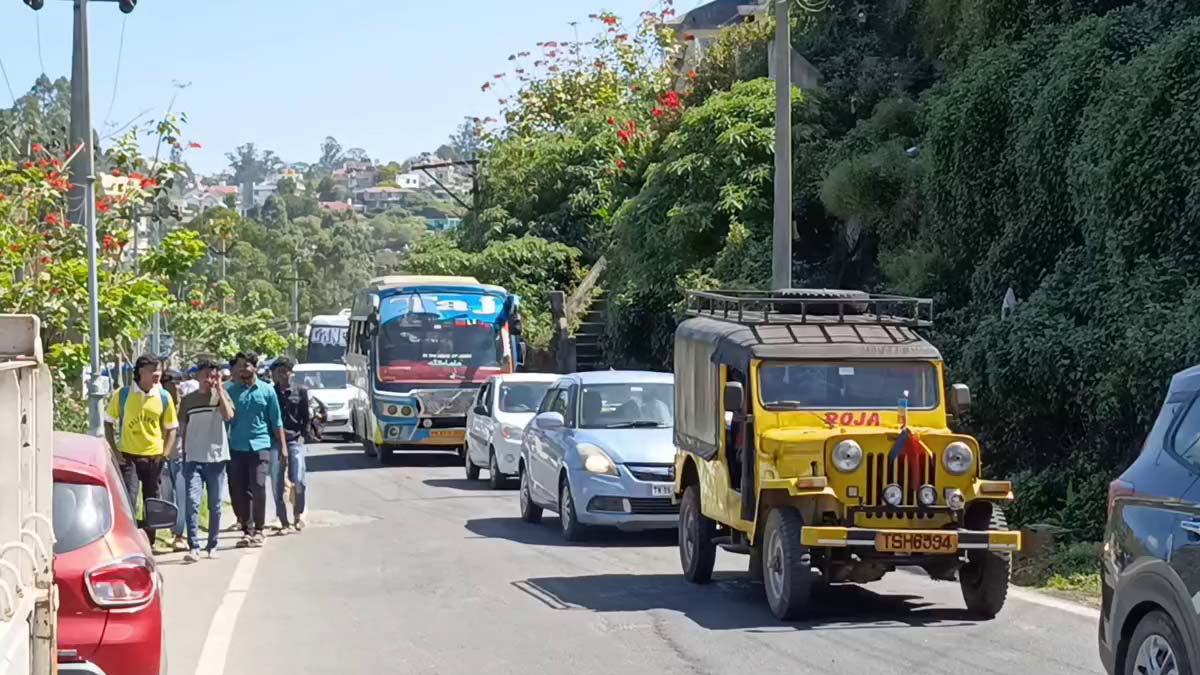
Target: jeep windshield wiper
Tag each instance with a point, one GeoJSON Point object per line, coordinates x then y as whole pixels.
{"type": "Point", "coordinates": [639, 424]}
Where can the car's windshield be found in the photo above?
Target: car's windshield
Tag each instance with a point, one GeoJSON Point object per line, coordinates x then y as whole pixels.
{"type": "Point", "coordinates": [822, 386]}
{"type": "Point", "coordinates": [633, 405]}
{"type": "Point", "coordinates": [321, 379]}
{"type": "Point", "coordinates": [522, 397]}
{"type": "Point", "coordinates": [438, 343]}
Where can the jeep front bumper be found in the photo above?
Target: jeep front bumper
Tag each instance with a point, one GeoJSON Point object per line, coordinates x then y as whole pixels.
{"type": "Point", "coordinates": [854, 537]}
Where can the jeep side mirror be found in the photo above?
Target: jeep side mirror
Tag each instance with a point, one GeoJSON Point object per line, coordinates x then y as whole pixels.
{"type": "Point", "coordinates": [735, 396]}
{"type": "Point", "coordinates": [960, 399]}
{"type": "Point", "coordinates": [480, 410]}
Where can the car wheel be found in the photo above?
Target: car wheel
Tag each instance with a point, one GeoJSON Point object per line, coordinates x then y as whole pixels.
{"type": "Point", "coordinates": [984, 579]}
{"type": "Point", "coordinates": [1156, 648]}
{"type": "Point", "coordinates": [697, 552]}
{"type": "Point", "coordinates": [530, 512]}
{"type": "Point", "coordinates": [472, 470]}
{"type": "Point", "coordinates": [568, 520]}
{"type": "Point", "coordinates": [787, 566]}
{"type": "Point", "coordinates": [496, 479]}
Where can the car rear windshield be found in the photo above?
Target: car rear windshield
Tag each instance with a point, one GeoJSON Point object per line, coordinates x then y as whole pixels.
{"type": "Point", "coordinates": [522, 397]}
{"type": "Point", "coordinates": [626, 406]}
{"type": "Point", "coordinates": [321, 379]}
{"type": "Point", "coordinates": [82, 514]}
{"type": "Point", "coordinates": [822, 386]}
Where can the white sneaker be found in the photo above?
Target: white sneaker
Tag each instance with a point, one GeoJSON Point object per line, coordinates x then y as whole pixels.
{"type": "Point", "coordinates": [300, 523]}
{"type": "Point", "coordinates": [191, 556]}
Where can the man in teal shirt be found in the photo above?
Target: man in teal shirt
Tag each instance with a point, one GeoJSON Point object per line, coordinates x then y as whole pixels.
{"type": "Point", "coordinates": [257, 425]}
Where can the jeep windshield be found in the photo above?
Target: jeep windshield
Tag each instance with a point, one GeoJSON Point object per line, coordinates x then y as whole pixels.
{"type": "Point", "coordinates": [858, 385]}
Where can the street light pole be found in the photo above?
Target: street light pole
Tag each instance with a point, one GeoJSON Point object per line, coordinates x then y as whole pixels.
{"type": "Point", "coordinates": [781, 248]}
{"type": "Point", "coordinates": [82, 204]}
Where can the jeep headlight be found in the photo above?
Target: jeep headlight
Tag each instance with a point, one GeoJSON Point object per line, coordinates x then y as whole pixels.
{"type": "Point", "coordinates": [596, 460]}
{"type": "Point", "coordinates": [957, 458]}
{"type": "Point", "coordinates": [847, 456]}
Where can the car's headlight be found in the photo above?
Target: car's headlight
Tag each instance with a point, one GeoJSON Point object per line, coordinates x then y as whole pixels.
{"type": "Point", "coordinates": [511, 432]}
{"type": "Point", "coordinates": [958, 458]}
{"type": "Point", "coordinates": [847, 456]}
{"type": "Point", "coordinates": [596, 460]}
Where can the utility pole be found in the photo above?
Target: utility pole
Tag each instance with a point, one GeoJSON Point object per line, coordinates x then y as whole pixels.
{"type": "Point", "coordinates": [81, 202]}
{"type": "Point", "coordinates": [781, 248]}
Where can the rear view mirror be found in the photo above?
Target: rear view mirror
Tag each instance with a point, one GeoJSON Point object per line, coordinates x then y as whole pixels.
{"type": "Point", "coordinates": [480, 410]}
{"type": "Point", "coordinates": [160, 514]}
{"type": "Point", "coordinates": [960, 399]}
{"type": "Point", "coordinates": [735, 396]}
{"type": "Point", "coordinates": [549, 420]}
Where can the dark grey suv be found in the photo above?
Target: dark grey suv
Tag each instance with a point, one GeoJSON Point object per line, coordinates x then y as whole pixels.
{"type": "Point", "coordinates": [1150, 617]}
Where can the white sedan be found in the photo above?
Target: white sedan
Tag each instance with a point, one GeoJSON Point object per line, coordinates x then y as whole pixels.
{"type": "Point", "coordinates": [328, 383]}
{"type": "Point", "coordinates": [502, 408]}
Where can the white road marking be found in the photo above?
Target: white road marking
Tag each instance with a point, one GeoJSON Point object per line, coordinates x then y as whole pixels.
{"type": "Point", "coordinates": [220, 632]}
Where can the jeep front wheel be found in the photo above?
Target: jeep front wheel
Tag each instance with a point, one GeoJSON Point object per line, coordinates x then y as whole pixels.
{"type": "Point", "coordinates": [787, 565]}
{"type": "Point", "coordinates": [697, 552]}
{"type": "Point", "coordinates": [984, 579]}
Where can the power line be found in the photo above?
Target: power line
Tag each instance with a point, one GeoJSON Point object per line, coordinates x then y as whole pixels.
{"type": "Point", "coordinates": [7, 84]}
{"type": "Point", "coordinates": [37, 22]}
{"type": "Point", "coordinates": [117, 75]}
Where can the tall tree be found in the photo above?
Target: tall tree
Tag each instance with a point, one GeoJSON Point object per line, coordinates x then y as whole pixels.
{"type": "Point", "coordinates": [40, 116]}
{"type": "Point", "coordinates": [251, 164]}
{"type": "Point", "coordinates": [331, 153]}
{"type": "Point", "coordinates": [466, 142]}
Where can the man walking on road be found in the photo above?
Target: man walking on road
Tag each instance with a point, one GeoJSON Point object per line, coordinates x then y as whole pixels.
{"type": "Point", "coordinates": [203, 415]}
{"type": "Point", "coordinates": [256, 427]}
{"type": "Point", "coordinates": [294, 402]}
{"type": "Point", "coordinates": [139, 424]}
{"type": "Point", "coordinates": [173, 487]}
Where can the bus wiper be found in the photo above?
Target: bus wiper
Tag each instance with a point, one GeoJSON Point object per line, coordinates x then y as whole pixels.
{"type": "Point", "coordinates": [639, 424]}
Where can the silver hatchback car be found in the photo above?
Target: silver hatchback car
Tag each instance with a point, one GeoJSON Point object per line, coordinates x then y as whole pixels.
{"type": "Point", "coordinates": [600, 453]}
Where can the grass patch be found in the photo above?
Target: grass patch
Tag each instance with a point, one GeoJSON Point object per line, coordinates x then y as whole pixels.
{"type": "Point", "coordinates": [1068, 570]}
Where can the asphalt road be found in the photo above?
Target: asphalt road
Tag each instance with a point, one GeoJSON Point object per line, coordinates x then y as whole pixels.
{"type": "Point", "coordinates": [413, 569]}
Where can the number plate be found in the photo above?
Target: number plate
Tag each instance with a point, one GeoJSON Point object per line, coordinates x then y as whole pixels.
{"type": "Point", "coordinates": [916, 542]}
{"type": "Point", "coordinates": [662, 490]}
{"type": "Point", "coordinates": [446, 433]}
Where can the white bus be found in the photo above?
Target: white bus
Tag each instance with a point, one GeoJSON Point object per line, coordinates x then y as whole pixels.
{"type": "Point", "coordinates": [327, 338]}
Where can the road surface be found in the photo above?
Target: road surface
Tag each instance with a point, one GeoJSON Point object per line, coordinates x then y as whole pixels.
{"type": "Point", "coordinates": [412, 569]}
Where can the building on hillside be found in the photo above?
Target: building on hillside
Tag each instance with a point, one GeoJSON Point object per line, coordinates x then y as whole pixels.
{"type": "Point", "coordinates": [270, 186]}
{"type": "Point", "coordinates": [378, 199]}
{"type": "Point", "coordinates": [442, 224]}
{"type": "Point", "coordinates": [411, 180]}
{"type": "Point", "coordinates": [355, 175]}
{"type": "Point", "coordinates": [201, 198]}
{"type": "Point", "coordinates": [698, 31]}
{"type": "Point", "coordinates": [341, 207]}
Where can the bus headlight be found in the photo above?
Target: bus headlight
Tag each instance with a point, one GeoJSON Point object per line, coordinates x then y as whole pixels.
{"type": "Point", "coordinates": [847, 456]}
{"type": "Point", "coordinates": [391, 410]}
{"type": "Point", "coordinates": [958, 458]}
{"type": "Point", "coordinates": [406, 410]}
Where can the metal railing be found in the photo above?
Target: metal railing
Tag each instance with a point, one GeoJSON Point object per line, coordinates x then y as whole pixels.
{"type": "Point", "coordinates": [28, 602]}
{"type": "Point", "coordinates": [752, 308]}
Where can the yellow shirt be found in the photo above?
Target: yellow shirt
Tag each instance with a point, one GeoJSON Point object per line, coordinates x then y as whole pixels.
{"type": "Point", "coordinates": [145, 420]}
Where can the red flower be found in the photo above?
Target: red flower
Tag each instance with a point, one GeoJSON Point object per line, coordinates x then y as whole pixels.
{"type": "Point", "coordinates": [55, 163]}
{"type": "Point", "coordinates": [691, 74]}
{"type": "Point", "coordinates": [46, 260]}
{"type": "Point", "coordinates": [670, 100]}
{"type": "Point", "coordinates": [149, 183]}
{"type": "Point", "coordinates": [136, 176]}
{"type": "Point", "coordinates": [624, 136]}
{"type": "Point", "coordinates": [196, 304]}
{"type": "Point", "coordinates": [620, 163]}
{"type": "Point", "coordinates": [609, 19]}
{"type": "Point", "coordinates": [37, 147]}
{"type": "Point", "coordinates": [611, 121]}
{"type": "Point", "coordinates": [689, 37]}
{"type": "Point", "coordinates": [101, 206]}
{"type": "Point", "coordinates": [193, 146]}
{"type": "Point", "coordinates": [42, 164]}
{"type": "Point", "coordinates": [55, 291]}
{"type": "Point", "coordinates": [657, 112]}
{"type": "Point", "coordinates": [116, 173]}
{"type": "Point", "coordinates": [15, 248]}
{"type": "Point", "coordinates": [52, 219]}
{"type": "Point", "coordinates": [108, 242]}
{"type": "Point", "coordinates": [2, 198]}
{"type": "Point", "coordinates": [28, 165]}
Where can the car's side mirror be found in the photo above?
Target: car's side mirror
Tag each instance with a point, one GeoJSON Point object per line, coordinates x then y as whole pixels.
{"type": "Point", "coordinates": [549, 420]}
{"type": "Point", "coordinates": [160, 514]}
{"type": "Point", "coordinates": [960, 399]}
{"type": "Point", "coordinates": [480, 410]}
{"type": "Point", "coordinates": [735, 396]}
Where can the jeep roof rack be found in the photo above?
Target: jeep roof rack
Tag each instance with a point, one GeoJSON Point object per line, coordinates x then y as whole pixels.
{"type": "Point", "coordinates": [754, 308]}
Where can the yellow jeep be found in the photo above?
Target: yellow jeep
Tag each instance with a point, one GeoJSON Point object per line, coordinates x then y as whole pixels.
{"type": "Point", "coordinates": [811, 433]}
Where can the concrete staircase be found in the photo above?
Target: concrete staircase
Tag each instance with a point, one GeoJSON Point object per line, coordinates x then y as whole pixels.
{"type": "Point", "coordinates": [589, 353]}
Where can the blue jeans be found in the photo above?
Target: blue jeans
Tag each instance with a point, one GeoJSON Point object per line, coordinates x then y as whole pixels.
{"type": "Point", "coordinates": [295, 473]}
{"type": "Point", "coordinates": [201, 476]}
{"type": "Point", "coordinates": [178, 493]}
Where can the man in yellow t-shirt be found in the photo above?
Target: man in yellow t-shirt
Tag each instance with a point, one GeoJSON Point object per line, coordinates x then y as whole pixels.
{"type": "Point", "coordinates": [139, 423]}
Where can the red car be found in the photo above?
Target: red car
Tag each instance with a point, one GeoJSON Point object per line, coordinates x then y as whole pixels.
{"type": "Point", "coordinates": [110, 590]}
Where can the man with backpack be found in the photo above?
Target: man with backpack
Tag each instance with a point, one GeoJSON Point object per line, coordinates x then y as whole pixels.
{"type": "Point", "coordinates": [140, 424]}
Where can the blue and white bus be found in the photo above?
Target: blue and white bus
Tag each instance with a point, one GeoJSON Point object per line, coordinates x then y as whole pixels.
{"type": "Point", "coordinates": [420, 346]}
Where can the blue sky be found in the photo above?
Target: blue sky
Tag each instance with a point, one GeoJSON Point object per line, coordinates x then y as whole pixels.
{"type": "Point", "coordinates": [392, 76]}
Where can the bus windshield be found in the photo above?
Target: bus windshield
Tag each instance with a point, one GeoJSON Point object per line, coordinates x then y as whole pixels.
{"type": "Point", "coordinates": [327, 344]}
{"type": "Point", "coordinates": [449, 344]}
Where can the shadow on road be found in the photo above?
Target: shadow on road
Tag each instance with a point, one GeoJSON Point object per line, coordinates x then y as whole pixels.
{"type": "Point", "coordinates": [547, 533]}
{"type": "Point", "coordinates": [352, 458]}
{"type": "Point", "coordinates": [343, 461]}
{"type": "Point", "coordinates": [733, 602]}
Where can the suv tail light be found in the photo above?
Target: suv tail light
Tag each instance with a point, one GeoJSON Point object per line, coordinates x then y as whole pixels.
{"type": "Point", "coordinates": [127, 582]}
{"type": "Point", "coordinates": [1118, 488]}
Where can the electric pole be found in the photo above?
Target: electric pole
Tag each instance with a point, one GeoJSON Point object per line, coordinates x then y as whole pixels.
{"type": "Point", "coordinates": [781, 248]}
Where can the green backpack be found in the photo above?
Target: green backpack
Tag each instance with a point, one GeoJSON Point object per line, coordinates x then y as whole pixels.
{"type": "Point", "coordinates": [123, 396]}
